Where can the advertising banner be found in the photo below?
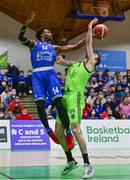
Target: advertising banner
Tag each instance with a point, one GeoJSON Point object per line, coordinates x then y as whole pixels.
{"type": "Point", "coordinates": [29, 134]}
{"type": "Point", "coordinates": [107, 133]}
{"type": "Point", "coordinates": [99, 134]}
{"type": "Point", "coordinates": [103, 134]}
{"type": "Point", "coordinates": [3, 57]}
{"type": "Point", "coordinates": [112, 60]}
{"type": "Point", "coordinates": [4, 134]}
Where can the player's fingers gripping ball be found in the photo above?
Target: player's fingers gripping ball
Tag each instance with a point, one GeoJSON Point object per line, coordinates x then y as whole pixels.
{"type": "Point", "coordinates": [100, 31]}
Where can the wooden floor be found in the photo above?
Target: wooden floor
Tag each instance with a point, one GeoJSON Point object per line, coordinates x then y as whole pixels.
{"type": "Point", "coordinates": [108, 164]}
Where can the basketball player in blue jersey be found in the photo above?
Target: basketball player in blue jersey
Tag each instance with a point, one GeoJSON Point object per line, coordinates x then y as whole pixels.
{"type": "Point", "coordinates": [44, 79]}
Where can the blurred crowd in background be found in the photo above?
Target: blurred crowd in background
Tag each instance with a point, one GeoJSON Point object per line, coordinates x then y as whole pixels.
{"type": "Point", "coordinates": [107, 95]}
{"type": "Point", "coordinates": [13, 85]}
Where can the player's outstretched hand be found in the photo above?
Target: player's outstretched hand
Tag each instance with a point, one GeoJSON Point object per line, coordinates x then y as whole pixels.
{"type": "Point", "coordinates": [60, 60]}
{"type": "Point", "coordinates": [94, 21]}
{"type": "Point", "coordinates": [30, 18]}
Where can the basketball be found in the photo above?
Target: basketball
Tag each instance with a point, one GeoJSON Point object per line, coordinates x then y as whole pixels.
{"type": "Point", "coordinates": [100, 31]}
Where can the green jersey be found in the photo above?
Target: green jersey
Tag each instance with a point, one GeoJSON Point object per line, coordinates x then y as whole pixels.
{"type": "Point", "coordinates": [74, 99]}
{"type": "Point", "coordinates": [77, 78]}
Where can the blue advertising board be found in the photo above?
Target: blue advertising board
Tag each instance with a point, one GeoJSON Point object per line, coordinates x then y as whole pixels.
{"type": "Point", "coordinates": [28, 134]}
{"type": "Point", "coordinates": [112, 60]}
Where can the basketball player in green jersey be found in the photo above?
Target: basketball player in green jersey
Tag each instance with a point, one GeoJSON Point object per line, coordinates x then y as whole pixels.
{"type": "Point", "coordinates": [74, 101]}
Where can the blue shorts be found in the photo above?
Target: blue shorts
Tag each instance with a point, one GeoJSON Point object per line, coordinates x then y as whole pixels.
{"type": "Point", "coordinates": [46, 83]}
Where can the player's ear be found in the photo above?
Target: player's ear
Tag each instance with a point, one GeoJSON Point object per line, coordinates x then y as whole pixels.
{"type": "Point", "coordinates": [98, 58]}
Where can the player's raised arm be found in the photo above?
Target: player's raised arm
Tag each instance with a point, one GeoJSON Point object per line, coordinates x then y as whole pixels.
{"type": "Point", "coordinates": [24, 40]}
{"type": "Point", "coordinates": [71, 47]}
{"type": "Point", "coordinates": [92, 57]}
{"type": "Point", "coordinates": [61, 61]}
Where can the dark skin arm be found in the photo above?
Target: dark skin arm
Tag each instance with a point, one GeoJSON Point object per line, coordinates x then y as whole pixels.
{"type": "Point", "coordinates": [30, 43]}
{"type": "Point", "coordinates": [71, 47]}
{"type": "Point", "coordinates": [24, 40]}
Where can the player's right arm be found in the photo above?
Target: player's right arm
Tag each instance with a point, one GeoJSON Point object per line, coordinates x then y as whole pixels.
{"type": "Point", "coordinates": [90, 61]}
{"type": "Point", "coordinates": [70, 47]}
{"type": "Point", "coordinates": [24, 40]}
{"type": "Point", "coordinates": [61, 61]}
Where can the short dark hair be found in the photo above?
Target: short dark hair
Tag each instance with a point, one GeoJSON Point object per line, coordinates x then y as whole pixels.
{"type": "Point", "coordinates": [98, 59]}
{"type": "Point", "coordinates": [39, 32]}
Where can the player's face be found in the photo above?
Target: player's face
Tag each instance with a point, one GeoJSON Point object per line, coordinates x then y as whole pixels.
{"type": "Point", "coordinates": [46, 35]}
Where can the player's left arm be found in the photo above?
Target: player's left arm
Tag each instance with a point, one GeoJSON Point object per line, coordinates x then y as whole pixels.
{"type": "Point", "coordinates": [90, 61]}
{"type": "Point", "coordinates": [24, 40]}
{"type": "Point", "coordinates": [70, 47]}
{"type": "Point", "coordinates": [61, 61]}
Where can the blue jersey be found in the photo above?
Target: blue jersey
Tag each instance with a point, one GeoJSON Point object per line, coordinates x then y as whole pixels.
{"type": "Point", "coordinates": [43, 55]}
{"type": "Point", "coordinates": [44, 79]}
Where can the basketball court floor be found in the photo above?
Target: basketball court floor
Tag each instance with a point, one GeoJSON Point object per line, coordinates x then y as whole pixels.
{"type": "Point", "coordinates": [42, 165]}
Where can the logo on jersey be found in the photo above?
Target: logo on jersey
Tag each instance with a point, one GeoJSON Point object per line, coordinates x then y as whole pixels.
{"type": "Point", "coordinates": [44, 56]}
{"type": "Point", "coordinates": [72, 113]}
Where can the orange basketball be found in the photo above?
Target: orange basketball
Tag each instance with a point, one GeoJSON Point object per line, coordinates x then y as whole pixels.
{"type": "Point", "coordinates": [100, 31]}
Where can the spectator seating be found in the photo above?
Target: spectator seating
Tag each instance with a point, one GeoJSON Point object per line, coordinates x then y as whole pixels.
{"type": "Point", "coordinates": [28, 102]}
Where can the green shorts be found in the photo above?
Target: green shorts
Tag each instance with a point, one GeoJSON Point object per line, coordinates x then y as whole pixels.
{"type": "Point", "coordinates": [74, 104]}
